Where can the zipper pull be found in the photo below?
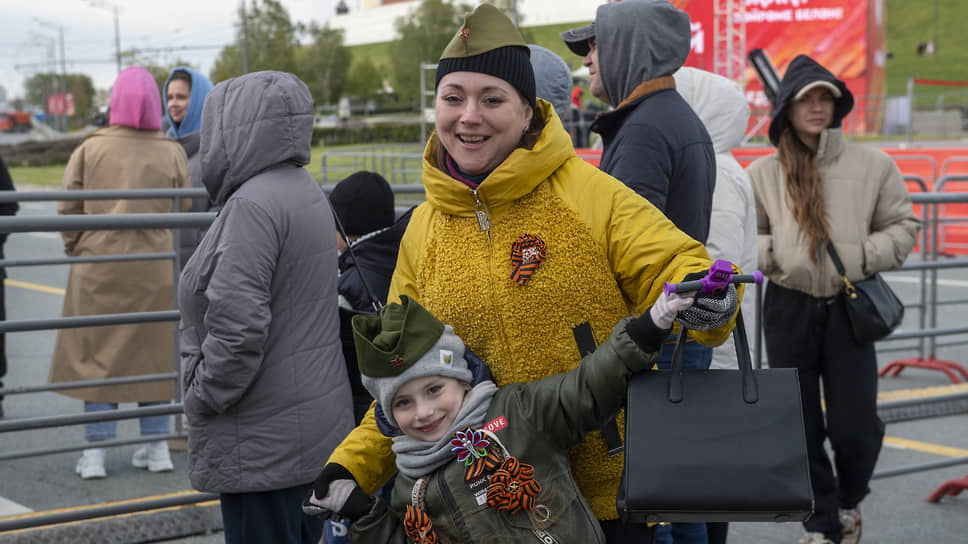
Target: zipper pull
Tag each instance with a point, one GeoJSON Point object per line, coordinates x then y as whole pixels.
{"type": "Point", "coordinates": [480, 211]}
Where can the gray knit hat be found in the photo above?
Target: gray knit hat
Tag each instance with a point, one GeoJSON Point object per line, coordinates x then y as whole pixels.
{"type": "Point", "coordinates": [404, 342]}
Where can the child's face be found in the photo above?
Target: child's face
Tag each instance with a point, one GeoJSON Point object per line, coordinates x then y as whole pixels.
{"type": "Point", "coordinates": [425, 408]}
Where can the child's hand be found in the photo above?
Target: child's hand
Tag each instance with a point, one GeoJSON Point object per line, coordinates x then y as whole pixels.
{"type": "Point", "coordinates": [328, 500]}
{"type": "Point", "coordinates": [667, 307]}
{"type": "Point", "coordinates": [344, 501]}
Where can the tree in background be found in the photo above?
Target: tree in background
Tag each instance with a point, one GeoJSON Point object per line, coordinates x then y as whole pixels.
{"type": "Point", "coordinates": [324, 63]}
{"type": "Point", "coordinates": [271, 42]}
{"type": "Point", "coordinates": [39, 86]}
{"type": "Point", "coordinates": [365, 78]}
{"type": "Point", "coordinates": [422, 36]}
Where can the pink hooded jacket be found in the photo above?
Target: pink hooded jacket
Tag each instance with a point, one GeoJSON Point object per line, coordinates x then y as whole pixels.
{"type": "Point", "coordinates": [135, 100]}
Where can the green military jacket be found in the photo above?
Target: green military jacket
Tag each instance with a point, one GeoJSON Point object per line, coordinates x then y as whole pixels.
{"type": "Point", "coordinates": [536, 423]}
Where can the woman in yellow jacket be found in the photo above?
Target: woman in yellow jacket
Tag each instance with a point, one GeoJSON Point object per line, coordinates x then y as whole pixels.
{"type": "Point", "coordinates": [520, 243]}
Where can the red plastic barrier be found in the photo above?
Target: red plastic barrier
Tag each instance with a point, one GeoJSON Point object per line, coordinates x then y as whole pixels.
{"type": "Point", "coordinates": [927, 163]}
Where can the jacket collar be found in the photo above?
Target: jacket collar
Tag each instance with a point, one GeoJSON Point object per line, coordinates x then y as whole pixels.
{"type": "Point", "coordinates": [646, 88]}
{"type": "Point", "coordinates": [830, 147]}
{"type": "Point", "coordinates": [518, 175]}
{"type": "Point", "coordinates": [606, 121]}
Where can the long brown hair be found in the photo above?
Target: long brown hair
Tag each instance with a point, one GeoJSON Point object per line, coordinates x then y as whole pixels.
{"type": "Point", "coordinates": [528, 139]}
{"type": "Point", "coordinates": [804, 192]}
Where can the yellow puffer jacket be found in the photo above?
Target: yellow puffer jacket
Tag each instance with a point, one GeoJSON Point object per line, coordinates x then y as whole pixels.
{"type": "Point", "coordinates": [608, 254]}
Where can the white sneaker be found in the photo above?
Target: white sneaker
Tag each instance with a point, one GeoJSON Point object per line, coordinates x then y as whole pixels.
{"type": "Point", "coordinates": [91, 464]}
{"type": "Point", "coordinates": [153, 456]}
{"type": "Point", "coordinates": [814, 538]}
{"type": "Point", "coordinates": [851, 520]}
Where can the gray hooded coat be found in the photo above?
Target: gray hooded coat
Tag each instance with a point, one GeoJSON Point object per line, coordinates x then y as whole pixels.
{"type": "Point", "coordinates": [265, 388]}
{"type": "Point", "coordinates": [552, 79]}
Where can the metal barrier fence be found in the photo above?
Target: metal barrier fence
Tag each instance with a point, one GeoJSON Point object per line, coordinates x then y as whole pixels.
{"type": "Point", "coordinates": [926, 334]}
{"type": "Point", "coordinates": [399, 165]}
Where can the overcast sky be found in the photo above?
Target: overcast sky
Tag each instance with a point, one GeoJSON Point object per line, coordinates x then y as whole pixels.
{"type": "Point", "coordinates": [30, 27]}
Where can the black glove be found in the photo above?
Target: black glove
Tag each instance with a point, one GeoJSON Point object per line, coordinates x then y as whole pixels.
{"type": "Point", "coordinates": [710, 311]}
{"type": "Point", "coordinates": [331, 472]}
{"type": "Point", "coordinates": [340, 496]}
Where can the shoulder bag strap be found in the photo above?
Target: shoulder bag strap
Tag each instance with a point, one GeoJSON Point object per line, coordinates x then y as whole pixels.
{"type": "Point", "coordinates": [836, 259]}
{"type": "Point", "coordinates": [848, 287]}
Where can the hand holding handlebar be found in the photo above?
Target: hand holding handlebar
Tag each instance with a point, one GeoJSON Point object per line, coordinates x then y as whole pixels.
{"type": "Point", "coordinates": [719, 277]}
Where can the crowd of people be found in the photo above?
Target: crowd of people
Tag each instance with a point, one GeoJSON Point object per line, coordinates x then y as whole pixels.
{"type": "Point", "coordinates": [457, 371]}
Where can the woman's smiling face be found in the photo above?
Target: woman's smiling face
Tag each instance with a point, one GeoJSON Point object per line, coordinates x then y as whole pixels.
{"type": "Point", "coordinates": [480, 119]}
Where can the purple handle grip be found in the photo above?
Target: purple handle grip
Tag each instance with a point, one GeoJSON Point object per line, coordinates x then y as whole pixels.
{"type": "Point", "coordinates": [720, 275]}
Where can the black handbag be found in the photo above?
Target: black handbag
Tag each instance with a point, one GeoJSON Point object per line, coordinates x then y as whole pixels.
{"type": "Point", "coordinates": [715, 445]}
{"type": "Point", "coordinates": [872, 307]}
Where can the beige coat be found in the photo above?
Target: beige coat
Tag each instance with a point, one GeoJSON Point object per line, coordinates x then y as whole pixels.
{"type": "Point", "coordinates": [119, 157]}
{"type": "Point", "coordinates": [868, 210]}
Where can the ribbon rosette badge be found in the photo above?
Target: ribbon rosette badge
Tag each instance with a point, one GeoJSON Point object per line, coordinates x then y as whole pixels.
{"type": "Point", "coordinates": [513, 487]}
{"type": "Point", "coordinates": [418, 526]}
{"type": "Point", "coordinates": [527, 252]}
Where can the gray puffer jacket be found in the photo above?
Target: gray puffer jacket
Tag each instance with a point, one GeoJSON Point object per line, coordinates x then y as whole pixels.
{"type": "Point", "coordinates": [189, 238]}
{"type": "Point", "coordinates": [265, 388]}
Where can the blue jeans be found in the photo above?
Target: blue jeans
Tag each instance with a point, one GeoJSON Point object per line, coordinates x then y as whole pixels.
{"type": "Point", "coordinates": [678, 533]}
{"type": "Point", "coordinates": [107, 430]}
{"type": "Point", "coordinates": [694, 355]}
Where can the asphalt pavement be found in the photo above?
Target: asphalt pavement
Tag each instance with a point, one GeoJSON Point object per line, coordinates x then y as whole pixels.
{"type": "Point", "coordinates": [895, 512]}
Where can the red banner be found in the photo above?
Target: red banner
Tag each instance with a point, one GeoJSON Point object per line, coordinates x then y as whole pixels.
{"type": "Point", "coordinates": [58, 104]}
{"type": "Point", "coordinates": [845, 36]}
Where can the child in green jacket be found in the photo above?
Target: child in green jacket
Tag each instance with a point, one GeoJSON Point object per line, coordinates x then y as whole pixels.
{"type": "Point", "coordinates": [478, 463]}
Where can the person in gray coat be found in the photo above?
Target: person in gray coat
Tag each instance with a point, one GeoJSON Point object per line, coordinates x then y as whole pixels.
{"type": "Point", "coordinates": [265, 388]}
{"type": "Point", "coordinates": [552, 79]}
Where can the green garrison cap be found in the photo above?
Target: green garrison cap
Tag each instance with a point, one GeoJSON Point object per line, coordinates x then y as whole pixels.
{"type": "Point", "coordinates": [389, 343]}
{"type": "Point", "coordinates": [489, 43]}
{"type": "Point", "coordinates": [402, 343]}
{"type": "Point", "coordinates": [486, 28]}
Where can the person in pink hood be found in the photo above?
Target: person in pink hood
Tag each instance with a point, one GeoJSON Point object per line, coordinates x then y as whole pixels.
{"type": "Point", "coordinates": [130, 153]}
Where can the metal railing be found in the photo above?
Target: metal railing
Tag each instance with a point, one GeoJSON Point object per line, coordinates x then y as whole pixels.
{"type": "Point", "coordinates": [926, 333]}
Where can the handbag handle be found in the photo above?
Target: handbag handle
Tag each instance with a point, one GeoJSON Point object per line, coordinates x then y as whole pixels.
{"type": "Point", "coordinates": [751, 392]}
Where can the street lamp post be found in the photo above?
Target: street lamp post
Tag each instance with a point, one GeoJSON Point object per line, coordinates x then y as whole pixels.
{"type": "Point", "coordinates": [62, 119]}
{"type": "Point", "coordinates": [245, 40]}
{"type": "Point", "coordinates": [114, 8]}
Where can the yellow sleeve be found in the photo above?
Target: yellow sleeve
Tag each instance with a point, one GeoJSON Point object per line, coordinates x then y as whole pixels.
{"type": "Point", "coordinates": [366, 453]}
{"type": "Point", "coordinates": [404, 280]}
{"type": "Point", "coordinates": [645, 249]}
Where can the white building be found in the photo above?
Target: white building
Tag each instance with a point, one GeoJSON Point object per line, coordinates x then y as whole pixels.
{"type": "Point", "coordinates": [372, 21]}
